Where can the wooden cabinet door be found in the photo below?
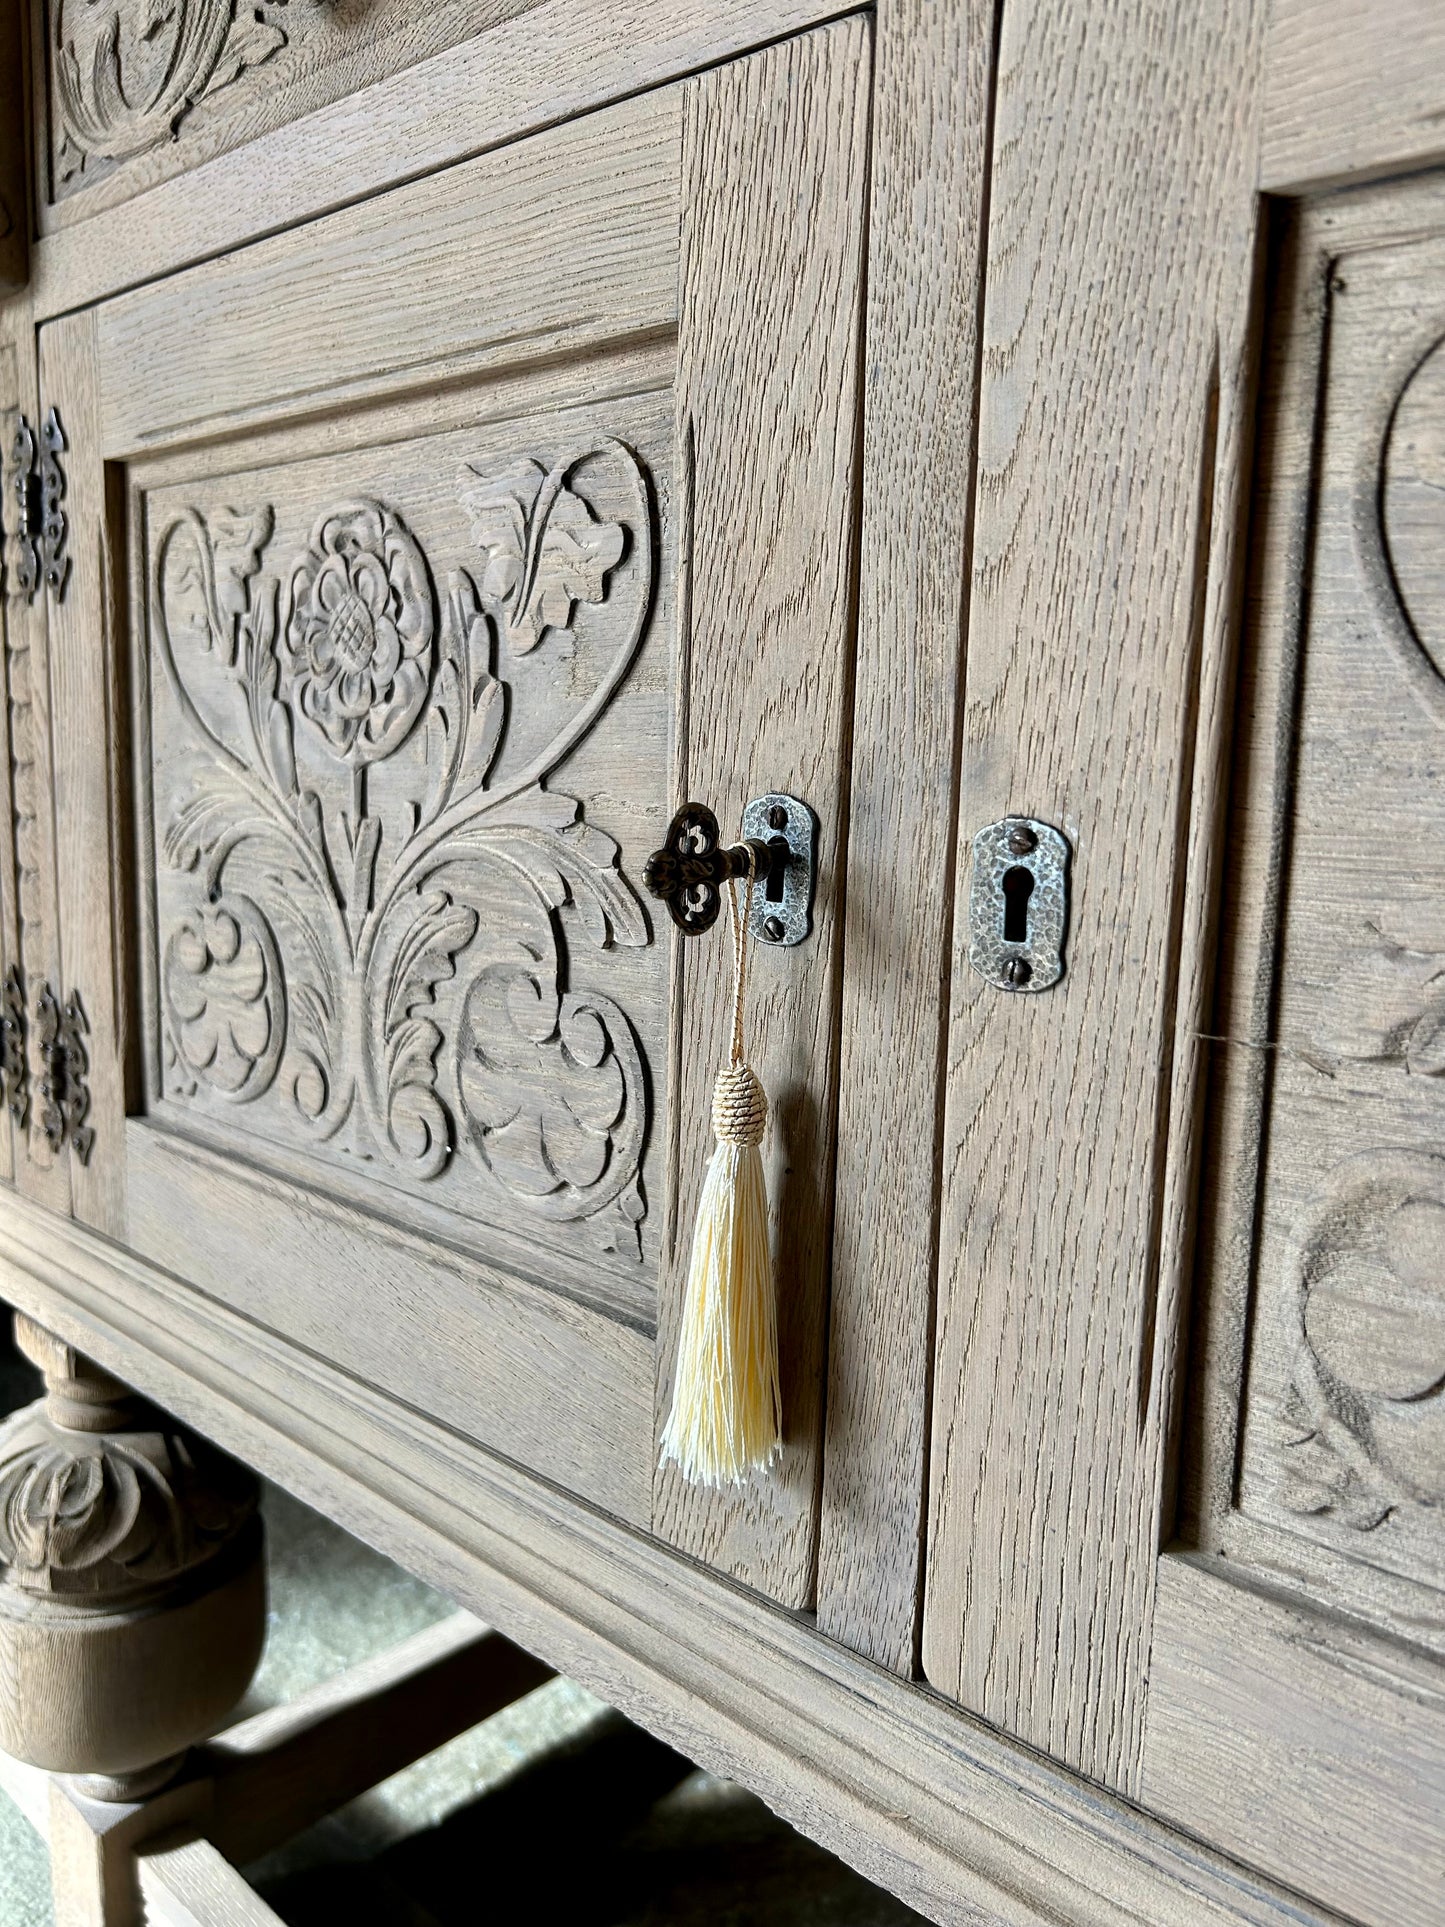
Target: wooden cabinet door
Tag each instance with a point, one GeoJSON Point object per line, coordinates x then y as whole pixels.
{"type": "Point", "coordinates": [444, 545]}
{"type": "Point", "coordinates": [1211, 1575]}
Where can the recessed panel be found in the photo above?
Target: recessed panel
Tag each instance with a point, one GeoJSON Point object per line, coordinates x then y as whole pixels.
{"type": "Point", "coordinates": [409, 715]}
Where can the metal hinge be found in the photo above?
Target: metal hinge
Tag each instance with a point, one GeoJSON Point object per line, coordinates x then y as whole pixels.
{"type": "Point", "coordinates": [14, 1066]}
{"type": "Point", "coordinates": [37, 482]}
{"type": "Point", "coordinates": [64, 1092]}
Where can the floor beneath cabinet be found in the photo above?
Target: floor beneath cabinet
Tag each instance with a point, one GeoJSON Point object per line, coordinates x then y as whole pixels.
{"type": "Point", "coordinates": [556, 1810]}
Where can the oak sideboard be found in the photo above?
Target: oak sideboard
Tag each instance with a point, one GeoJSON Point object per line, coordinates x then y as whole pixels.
{"type": "Point", "coordinates": [441, 441]}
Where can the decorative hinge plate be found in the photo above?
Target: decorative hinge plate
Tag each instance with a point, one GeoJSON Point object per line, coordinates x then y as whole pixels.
{"type": "Point", "coordinates": [64, 1092]}
{"type": "Point", "coordinates": [38, 483]}
{"type": "Point", "coordinates": [14, 1067]}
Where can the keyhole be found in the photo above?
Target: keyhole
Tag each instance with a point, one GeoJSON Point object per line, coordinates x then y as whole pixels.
{"type": "Point", "coordinates": [1018, 887]}
{"type": "Point", "coordinates": [779, 854]}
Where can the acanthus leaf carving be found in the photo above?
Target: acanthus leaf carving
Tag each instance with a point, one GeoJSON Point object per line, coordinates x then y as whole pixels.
{"type": "Point", "coordinates": [545, 550]}
{"type": "Point", "coordinates": [126, 73]}
{"type": "Point", "coordinates": [334, 950]}
{"type": "Point", "coordinates": [84, 1514]}
{"type": "Point", "coordinates": [1361, 1423]}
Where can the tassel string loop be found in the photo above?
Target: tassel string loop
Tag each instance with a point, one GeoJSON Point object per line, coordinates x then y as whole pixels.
{"type": "Point", "coordinates": [741, 927]}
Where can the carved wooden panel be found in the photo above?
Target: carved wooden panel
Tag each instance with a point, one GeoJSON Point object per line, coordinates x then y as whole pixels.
{"type": "Point", "coordinates": [408, 706]}
{"type": "Point", "coordinates": [141, 89]}
{"type": "Point", "coordinates": [1339, 1119]}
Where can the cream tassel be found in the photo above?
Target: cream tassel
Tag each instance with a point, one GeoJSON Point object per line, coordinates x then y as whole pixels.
{"type": "Point", "coordinates": [726, 1418]}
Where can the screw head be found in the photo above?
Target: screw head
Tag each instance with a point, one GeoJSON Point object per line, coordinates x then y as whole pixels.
{"type": "Point", "coordinates": [1021, 840]}
{"type": "Point", "coordinates": [1018, 970]}
{"type": "Point", "coordinates": [777, 817]}
{"type": "Point", "coordinates": [772, 929]}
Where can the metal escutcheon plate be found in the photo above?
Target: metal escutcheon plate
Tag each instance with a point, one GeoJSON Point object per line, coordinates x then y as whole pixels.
{"type": "Point", "coordinates": [1018, 904]}
{"type": "Point", "coordinates": [783, 901]}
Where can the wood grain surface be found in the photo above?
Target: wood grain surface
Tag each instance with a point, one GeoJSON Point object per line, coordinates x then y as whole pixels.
{"type": "Point", "coordinates": [774, 155]}
{"type": "Point", "coordinates": [932, 95]}
{"type": "Point", "coordinates": [1353, 89]}
{"type": "Point", "coordinates": [395, 279]}
{"type": "Point", "coordinates": [1117, 299]}
{"type": "Point", "coordinates": [519, 77]}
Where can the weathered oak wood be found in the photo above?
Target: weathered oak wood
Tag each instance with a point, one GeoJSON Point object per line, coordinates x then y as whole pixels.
{"type": "Point", "coordinates": [282, 1770]}
{"type": "Point", "coordinates": [1113, 374]}
{"type": "Point", "coordinates": [1352, 89]}
{"type": "Point", "coordinates": [237, 338]}
{"type": "Point", "coordinates": [941, 1808]}
{"type": "Point", "coordinates": [516, 79]}
{"type": "Point", "coordinates": [774, 156]}
{"type": "Point", "coordinates": [187, 1882]}
{"type": "Point", "coordinates": [1299, 1744]}
{"type": "Point", "coordinates": [111, 131]}
{"type": "Point", "coordinates": [533, 1374]}
{"type": "Point", "coordinates": [932, 96]}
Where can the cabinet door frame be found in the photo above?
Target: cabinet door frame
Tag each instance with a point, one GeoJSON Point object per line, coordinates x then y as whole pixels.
{"type": "Point", "coordinates": [1070, 1599]}
{"type": "Point", "coordinates": [752, 176]}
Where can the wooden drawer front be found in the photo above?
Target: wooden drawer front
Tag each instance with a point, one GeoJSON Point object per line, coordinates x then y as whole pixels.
{"type": "Point", "coordinates": [465, 531]}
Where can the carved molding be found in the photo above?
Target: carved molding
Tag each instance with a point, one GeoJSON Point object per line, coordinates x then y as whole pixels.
{"type": "Point", "coordinates": [1362, 1419]}
{"type": "Point", "coordinates": [125, 73]}
{"type": "Point", "coordinates": [376, 948]}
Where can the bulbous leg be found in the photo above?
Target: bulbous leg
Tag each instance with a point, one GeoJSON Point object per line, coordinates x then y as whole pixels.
{"type": "Point", "coordinates": [132, 1589]}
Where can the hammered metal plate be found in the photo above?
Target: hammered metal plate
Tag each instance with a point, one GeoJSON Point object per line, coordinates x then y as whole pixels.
{"type": "Point", "coordinates": [783, 904]}
{"type": "Point", "coordinates": [1034, 959]}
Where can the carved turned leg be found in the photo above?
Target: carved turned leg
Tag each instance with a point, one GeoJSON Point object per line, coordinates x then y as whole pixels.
{"type": "Point", "coordinates": [132, 1591]}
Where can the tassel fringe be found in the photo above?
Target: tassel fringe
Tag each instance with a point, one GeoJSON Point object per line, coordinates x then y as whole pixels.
{"type": "Point", "coordinates": [726, 1419]}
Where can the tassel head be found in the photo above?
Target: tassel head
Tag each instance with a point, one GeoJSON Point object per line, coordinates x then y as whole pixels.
{"type": "Point", "coordinates": [739, 1107]}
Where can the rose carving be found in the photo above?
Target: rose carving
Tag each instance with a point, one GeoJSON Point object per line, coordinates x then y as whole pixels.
{"type": "Point", "coordinates": [358, 643]}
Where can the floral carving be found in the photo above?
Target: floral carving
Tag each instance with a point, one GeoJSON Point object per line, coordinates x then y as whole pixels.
{"type": "Point", "coordinates": [1362, 1419]}
{"type": "Point", "coordinates": [350, 940]}
{"type": "Point", "coordinates": [545, 1082]}
{"type": "Point", "coordinates": [546, 551]}
{"type": "Point", "coordinates": [125, 73]}
{"type": "Point", "coordinates": [224, 1000]}
{"type": "Point", "coordinates": [1387, 1006]}
{"type": "Point", "coordinates": [358, 648]}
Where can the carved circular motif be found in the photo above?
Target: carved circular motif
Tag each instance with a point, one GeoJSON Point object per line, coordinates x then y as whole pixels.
{"type": "Point", "coordinates": [224, 998]}
{"type": "Point", "coordinates": [1412, 507]}
{"type": "Point", "coordinates": [551, 1090]}
{"type": "Point", "coordinates": [1364, 1411]}
{"type": "Point", "coordinates": [359, 639]}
